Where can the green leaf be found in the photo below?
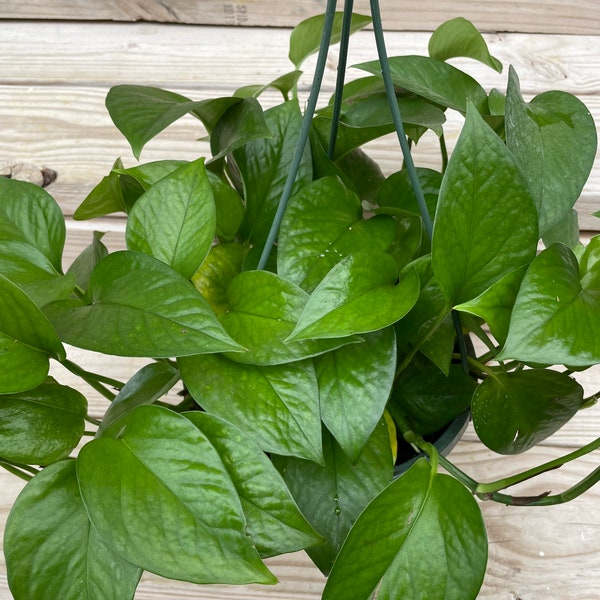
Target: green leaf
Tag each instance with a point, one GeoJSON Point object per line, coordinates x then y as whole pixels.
{"type": "Point", "coordinates": [342, 304]}
{"type": "Point", "coordinates": [23, 367]}
{"type": "Point", "coordinates": [84, 264]}
{"type": "Point", "coordinates": [322, 224]}
{"type": "Point", "coordinates": [264, 165]}
{"type": "Point", "coordinates": [486, 223]}
{"type": "Point", "coordinates": [229, 207]}
{"type": "Point", "coordinates": [22, 320]}
{"type": "Point", "coordinates": [275, 524]}
{"type": "Point", "coordinates": [566, 231]}
{"type": "Point", "coordinates": [514, 411]}
{"type": "Point", "coordinates": [554, 140]}
{"type": "Point", "coordinates": [29, 210]}
{"type": "Point", "coordinates": [354, 386]}
{"type": "Point", "coordinates": [188, 523]}
{"type": "Point", "coordinates": [306, 36]}
{"type": "Point", "coordinates": [422, 537]}
{"type": "Point", "coordinates": [285, 84]}
{"type": "Point", "coordinates": [263, 310]}
{"type": "Point", "coordinates": [429, 398]}
{"type": "Point", "coordinates": [459, 37]}
{"type": "Point", "coordinates": [42, 425]}
{"type": "Point", "coordinates": [140, 307]}
{"type": "Point", "coordinates": [241, 123]}
{"type": "Point", "coordinates": [495, 304]}
{"type": "Point", "coordinates": [555, 317]}
{"type": "Point", "coordinates": [277, 406]}
{"type": "Point", "coordinates": [332, 496]}
{"type": "Point", "coordinates": [434, 80]}
{"type": "Point", "coordinates": [53, 552]}
{"type": "Point", "coordinates": [149, 384]}
{"type": "Point", "coordinates": [175, 220]}
{"type": "Point", "coordinates": [142, 112]}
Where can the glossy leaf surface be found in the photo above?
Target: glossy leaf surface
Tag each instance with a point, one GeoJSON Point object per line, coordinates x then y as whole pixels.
{"type": "Point", "coordinates": [41, 426]}
{"type": "Point", "coordinates": [354, 386]}
{"type": "Point", "coordinates": [277, 406]}
{"type": "Point", "coordinates": [514, 411]}
{"type": "Point", "coordinates": [175, 220]}
{"type": "Point", "coordinates": [165, 315]}
{"type": "Point", "coordinates": [275, 524]}
{"type": "Point", "coordinates": [51, 549]}
{"type": "Point", "coordinates": [554, 140]}
{"type": "Point", "coordinates": [332, 496]}
{"type": "Point", "coordinates": [189, 523]}
{"type": "Point", "coordinates": [422, 537]}
{"type": "Point", "coordinates": [554, 319]}
{"type": "Point", "coordinates": [486, 222]}
{"type": "Point", "coordinates": [341, 305]}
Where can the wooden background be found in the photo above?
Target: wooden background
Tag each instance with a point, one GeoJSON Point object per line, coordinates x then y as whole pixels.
{"type": "Point", "coordinates": [58, 59]}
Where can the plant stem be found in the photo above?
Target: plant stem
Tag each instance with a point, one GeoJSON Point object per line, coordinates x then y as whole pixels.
{"type": "Point", "coordinates": [397, 117]}
{"type": "Point", "coordinates": [341, 73]}
{"type": "Point", "coordinates": [444, 153]}
{"type": "Point", "coordinates": [304, 131]}
{"type": "Point", "coordinates": [94, 380]}
{"type": "Point", "coordinates": [15, 470]}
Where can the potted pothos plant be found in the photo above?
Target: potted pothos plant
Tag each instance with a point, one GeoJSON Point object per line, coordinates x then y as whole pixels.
{"type": "Point", "coordinates": [321, 327]}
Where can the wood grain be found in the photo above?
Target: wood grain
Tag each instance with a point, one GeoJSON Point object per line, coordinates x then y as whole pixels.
{"type": "Point", "coordinates": [543, 16]}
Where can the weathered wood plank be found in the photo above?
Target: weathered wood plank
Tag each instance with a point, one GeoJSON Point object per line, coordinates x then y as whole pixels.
{"type": "Point", "coordinates": [543, 16]}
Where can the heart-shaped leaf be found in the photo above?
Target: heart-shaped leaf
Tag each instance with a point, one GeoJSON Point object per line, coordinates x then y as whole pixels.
{"type": "Point", "coordinates": [165, 314]}
{"type": "Point", "coordinates": [459, 37]}
{"type": "Point", "coordinates": [422, 537]}
{"type": "Point", "coordinates": [354, 386]}
{"type": "Point", "coordinates": [142, 112]}
{"type": "Point", "coordinates": [323, 223]}
{"type": "Point", "coordinates": [275, 524]}
{"type": "Point", "coordinates": [331, 496]}
{"type": "Point", "coordinates": [342, 304]}
{"type": "Point", "coordinates": [51, 549]}
{"type": "Point", "coordinates": [554, 317]}
{"type": "Point", "coordinates": [263, 309]}
{"type": "Point", "coordinates": [175, 220]}
{"type": "Point", "coordinates": [188, 523]}
{"type": "Point", "coordinates": [277, 406]}
{"type": "Point", "coordinates": [514, 411]}
{"type": "Point", "coordinates": [41, 426]}
{"type": "Point", "coordinates": [486, 222]}
{"type": "Point", "coordinates": [433, 79]}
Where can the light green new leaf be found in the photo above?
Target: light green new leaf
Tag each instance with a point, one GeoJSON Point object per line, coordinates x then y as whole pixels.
{"type": "Point", "coordinates": [142, 112]}
{"type": "Point", "coordinates": [165, 315]}
{"type": "Point", "coordinates": [322, 224]}
{"type": "Point", "coordinates": [512, 412]}
{"type": "Point", "coordinates": [285, 84]}
{"type": "Point", "coordinates": [263, 310]}
{"type": "Point", "coordinates": [175, 220]}
{"type": "Point", "coordinates": [459, 37]}
{"type": "Point", "coordinates": [51, 549]}
{"type": "Point", "coordinates": [354, 386]}
{"type": "Point", "coordinates": [433, 79]}
{"type": "Point", "coordinates": [331, 496]}
{"type": "Point", "coordinates": [275, 524]}
{"type": "Point", "coordinates": [41, 426]}
{"type": "Point", "coordinates": [486, 222]}
{"type": "Point", "coordinates": [342, 304]}
{"type": "Point", "coordinates": [422, 537]}
{"type": "Point", "coordinates": [306, 36]}
{"type": "Point", "coordinates": [149, 384]}
{"type": "Point", "coordinates": [161, 497]}
{"type": "Point", "coordinates": [277, 406]}
{"type": "Point", "coordinates": [554, 140]}
{"type": "Point", "coordinates": [555, 317]}
{"type": "Point", "coordinates": [264, 165]}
